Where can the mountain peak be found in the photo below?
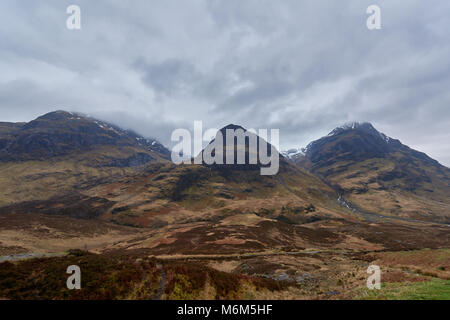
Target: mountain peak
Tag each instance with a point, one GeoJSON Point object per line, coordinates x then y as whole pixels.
{"type": "Point", "coordinates": [353, 126]}
{"type": "Point", "coordinates": [366, 127]}
{"type": "Point", "coordinates": [62, 133]}
{"type": "Point", "coordinates": [232, 127]}
{"type": "Point", "coordinates": [57, 115]}
{"type": "Point", "coordinates": [293, 153]}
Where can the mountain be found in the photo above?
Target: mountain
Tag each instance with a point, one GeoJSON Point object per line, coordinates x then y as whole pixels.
{"type": "Point", "coordinates": [61, 133]}
{"type": "Point", "coordinates": [50, 162]}
{"type": "Point", "coordinates": [212, 192]}
{"type": "Point", "coordinates": [183, 205]}
{"type": "Point", "coordinates": [380, 174]}
{"type": "Point", "coordinates": [216, 230]}
{"type": "Point", "coordinates": [293, 153]}
{"type": "Point", "coordinates": [61, 156]}
{"type": "Point", "coordinates": [62, 153]}
{"type": "Point", "coordinates": [247, 152]}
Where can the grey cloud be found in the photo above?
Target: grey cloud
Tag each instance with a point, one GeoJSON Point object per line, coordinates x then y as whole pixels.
{"type": "Point", "coordinates": [169, 77]}
{"type": "Point", "coordinates": [301, 66]}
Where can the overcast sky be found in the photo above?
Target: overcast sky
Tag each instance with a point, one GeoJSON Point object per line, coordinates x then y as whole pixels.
{"type": "Point", "coordinates": [303, 67]}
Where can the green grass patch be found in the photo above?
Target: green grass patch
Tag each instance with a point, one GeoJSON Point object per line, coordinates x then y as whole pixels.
{"type": "Point", "coordinates": [435, 289]}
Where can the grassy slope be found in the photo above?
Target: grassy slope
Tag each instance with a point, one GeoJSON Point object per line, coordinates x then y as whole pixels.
{"type": "Point", "coordinates": [381, 176]}
{"type": "Point", "coordinates": [366, 185]}
{"type": "Point", "coordinates": [434, 289]}
{"type": "Point", "coordinates": [196, 192]}
{"type": "Point", "coordinates": [40, 180]}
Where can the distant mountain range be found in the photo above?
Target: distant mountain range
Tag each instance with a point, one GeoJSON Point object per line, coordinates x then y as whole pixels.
{"type": "Point", "coordinates": [131, 178]}
{"type": "Point", "coordinates": [79, 191]}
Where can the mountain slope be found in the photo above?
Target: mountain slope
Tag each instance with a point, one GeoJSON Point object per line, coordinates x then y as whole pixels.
{"type": "Point", "coordinates": [62, 153]}
{"type": "Point", "coordinates": [380, 174]}
{"type": "Point", "coordinates": [163, 208]}
{"type": "Point", "coordinates": [200, 192]}
{"type": "Point", "coordinates": [61, 133]}
{"type": "Point", "coordinates": [188, 208]}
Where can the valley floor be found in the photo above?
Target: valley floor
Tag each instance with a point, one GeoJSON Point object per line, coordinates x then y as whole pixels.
{"type": "Point", "coordinates": [261, 259]}
{"type": "Point", "coordinates": [415, 274]}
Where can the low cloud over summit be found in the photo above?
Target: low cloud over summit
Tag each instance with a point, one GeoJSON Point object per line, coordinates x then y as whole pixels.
{"type": "Point", "coordinates": [302, 67]}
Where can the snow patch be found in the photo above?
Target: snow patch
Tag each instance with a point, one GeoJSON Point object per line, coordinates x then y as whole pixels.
{"type": "Point", "coordinates": [367, 127]}
{"type": "Point", "coordinates": [293, 153]}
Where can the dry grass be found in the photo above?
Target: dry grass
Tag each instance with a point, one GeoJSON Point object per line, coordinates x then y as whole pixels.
{"type": "Point", "coordinates": [427, 262]}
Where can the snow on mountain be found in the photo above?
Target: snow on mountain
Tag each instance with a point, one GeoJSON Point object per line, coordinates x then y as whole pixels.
{"type": "Point", "coordinates": [363, 126]}
{"type": "Point", "coordinates": [293, 153]}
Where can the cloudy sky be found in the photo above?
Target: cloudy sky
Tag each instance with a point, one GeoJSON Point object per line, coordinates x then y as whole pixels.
{"type": "Point", "coordinates": [304, 67]}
